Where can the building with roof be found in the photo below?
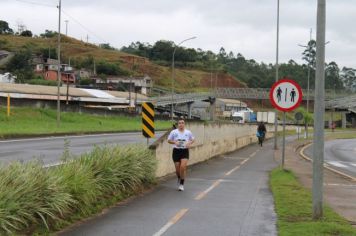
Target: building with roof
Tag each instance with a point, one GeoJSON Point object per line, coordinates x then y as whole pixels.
{"type": "Point", "coordinates": [49, 71]}
{"type": "Point", "coordinates": [141, 85]}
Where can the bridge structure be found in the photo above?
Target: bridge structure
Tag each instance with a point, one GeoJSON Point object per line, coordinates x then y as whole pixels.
{"type": "Point", "coordinates": [263, 93]}
{"type": "Point", "coordinates": [346, 105]}
{"type": "Point", "coordinates": [164, 103]}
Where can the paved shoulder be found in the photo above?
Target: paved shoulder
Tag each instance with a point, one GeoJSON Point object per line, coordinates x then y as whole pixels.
{"type": "Point", "coordinates": [224, 196]}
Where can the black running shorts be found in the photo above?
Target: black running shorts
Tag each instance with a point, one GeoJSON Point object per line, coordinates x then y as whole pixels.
{"type": "Point", "coordinates": [180, 153]}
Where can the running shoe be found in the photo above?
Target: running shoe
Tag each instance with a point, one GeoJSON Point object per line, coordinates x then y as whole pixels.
{"type": "Point", "coordinates": [181, 187]}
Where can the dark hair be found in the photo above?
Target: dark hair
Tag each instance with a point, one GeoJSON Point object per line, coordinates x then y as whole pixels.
{"type": "Point", "coordinates": [181, 118]}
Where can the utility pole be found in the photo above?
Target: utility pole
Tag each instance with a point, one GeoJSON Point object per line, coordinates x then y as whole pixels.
{"type": "Point", "coordinates": [94, 67]}
{"type": "Point", "coordinates": [277, 67]}
{"type": "Point", "coordinates": [310, 47]}
{"type": "Point", "coordinates": [319, 110]}
{"type": "Point", "coordinates": [59, 66]}
{"type": "Point", "coordinates": [87, 38]}
{"type": "Point", "coordinates": [66, 21]}
{"type": "Point", "coordinates": [130, 88]}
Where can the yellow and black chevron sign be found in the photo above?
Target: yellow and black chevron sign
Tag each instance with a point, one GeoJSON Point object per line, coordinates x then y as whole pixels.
{"type": "Point", "coordinates": [148, 120]}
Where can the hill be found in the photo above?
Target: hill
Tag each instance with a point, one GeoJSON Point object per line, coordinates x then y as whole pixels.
{"type": "Point", "coordinates": [186, 80]}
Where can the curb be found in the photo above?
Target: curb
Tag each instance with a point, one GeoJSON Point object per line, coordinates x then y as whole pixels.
{"type": "Point", "coordinates": [326, 166]}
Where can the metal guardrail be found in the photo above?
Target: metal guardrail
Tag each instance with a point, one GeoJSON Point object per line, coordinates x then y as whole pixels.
{"type": "Point", "coordinates": [263, 93]}
{"type": "Point", "coordinates": [182, 98]}
{"type": "Point", "coordinates": [338, 99]}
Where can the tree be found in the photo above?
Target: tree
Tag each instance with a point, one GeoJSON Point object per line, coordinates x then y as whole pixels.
{"type": "Point", "coordinates": [332, 76]}
{"type": "Point", "coordinates": [308, 118]}
{"type": "Point", "coordinates": [48, 53]}
{"type": "Point", "coordinates": [348, 77]}
{"type": "Point", "coordinates": [309, 54]}
{"type": "Point", "coordinates": [106, 68]}
{"type": "Point", "coordinates": [20, 65]}
{"type": "Point", "coordinates": [4, 28]}
{"type": "Point", "coordinates": [107, 46]}
{"type": "Point", "coordinates": [48, 34]}
{"type": "Point", "coordinates": [26, 33]}
{"type": "Point", "coordinates": [163, 50]}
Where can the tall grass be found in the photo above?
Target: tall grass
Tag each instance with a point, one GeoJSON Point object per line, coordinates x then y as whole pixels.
{"type": "Point", "coordinates": [33, 197]}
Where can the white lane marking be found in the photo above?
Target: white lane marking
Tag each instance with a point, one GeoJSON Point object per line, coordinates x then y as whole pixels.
{"type": "Point", "coordinates": [253, 154]}
{"type": "Point", "coordinates": [337, 164]}
{"type": "Point", "coordinates": [204, 193]}
{"type": "Point", "coordinates": [171, 222]}
{"type": "Point", "coordinates": [234, 158]}
{"type": "Point", "coordinates": [342, 185]}
{"type": "Point", "coordinates": [237, 167]}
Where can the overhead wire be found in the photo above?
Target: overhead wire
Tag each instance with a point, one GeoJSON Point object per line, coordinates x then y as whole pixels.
{"type": "Point", "coordinates": [67, 14]}
{"type": "Point", "coordinates": [36, 3]}
{"type": "Point", "coordinates": [84, 27]}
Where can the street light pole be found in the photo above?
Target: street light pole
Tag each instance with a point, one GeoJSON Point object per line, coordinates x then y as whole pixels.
{"type": "Point", "coordinates": [277, 54]}
{"type": "Point", "coordinates": [66, 21]}
{"type": "Point", "coordinates": [319, 110]}
{"type": "Point", "coordinates": [309, 47]}
{"type": "Point", "coordinates": [59, 66]}
{"type": "Point", "coordinates": [174, 52]}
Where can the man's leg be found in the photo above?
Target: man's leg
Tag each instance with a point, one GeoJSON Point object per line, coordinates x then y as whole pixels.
{"type": "Point", "coordinates": [177, 166]}
{"type": "Point", "coordinates": [183, 170]}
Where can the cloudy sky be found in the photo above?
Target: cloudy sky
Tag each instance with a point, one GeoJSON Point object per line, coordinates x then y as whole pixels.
{"type": "Point", "coordinates": [245, 26]}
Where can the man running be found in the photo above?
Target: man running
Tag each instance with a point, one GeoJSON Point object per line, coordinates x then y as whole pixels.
{"type": "Point", "coordinates": [182, 139]}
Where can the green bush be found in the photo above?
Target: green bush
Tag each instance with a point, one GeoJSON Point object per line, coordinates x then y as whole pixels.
{"type": "Point", "coordinates": [33, 197]}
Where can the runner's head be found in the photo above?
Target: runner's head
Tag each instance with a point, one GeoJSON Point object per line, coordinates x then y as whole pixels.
{"type": "Point", "coordinates": [181, 123]}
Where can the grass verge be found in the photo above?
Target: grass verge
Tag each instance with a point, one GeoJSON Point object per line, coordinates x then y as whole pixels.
{"type": "Point", "coordinates": [293, 205]}
{"type": "Point", "coordinates": [36, 200]}
{"type": "Point", "coordinates": [29, 121]}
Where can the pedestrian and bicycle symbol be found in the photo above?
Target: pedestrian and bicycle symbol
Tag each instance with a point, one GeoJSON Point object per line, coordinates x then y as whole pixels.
{"type": "Point", "coordinates": [286, 95]}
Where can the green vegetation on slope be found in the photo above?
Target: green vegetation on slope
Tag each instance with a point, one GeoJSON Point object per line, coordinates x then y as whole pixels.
{"type": "Point", "coordinates": [33, 198]}
{"type": "Point", "coordinates": [83, 55]}
{"type": "Point", "coordinates": [293, 205]}
{"type": "Point", "coordinates": [30, 121]}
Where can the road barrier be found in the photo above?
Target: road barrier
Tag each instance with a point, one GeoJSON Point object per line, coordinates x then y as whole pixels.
{"type": "Point", "coordinates": [211, 140]}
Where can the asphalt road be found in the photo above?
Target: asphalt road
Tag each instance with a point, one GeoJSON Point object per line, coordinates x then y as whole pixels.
{"type": "Point", "coordinates": [224, 196]}
{"type": "Point", "coordinates": [50, 149]}
{"type": "Point", "coordinates": [340, 154]}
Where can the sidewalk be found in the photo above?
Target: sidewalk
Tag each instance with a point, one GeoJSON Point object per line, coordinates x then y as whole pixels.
{"type": "Point", "coordinates": [228, 195]}
{"type": "Point", "coordinates": [339, 192]}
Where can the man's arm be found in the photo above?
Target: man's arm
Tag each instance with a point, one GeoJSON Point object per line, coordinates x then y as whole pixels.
{"type": "Point", "coordinates": [171, 141]}
{"type": "Point", "coordinates": [191, 141]}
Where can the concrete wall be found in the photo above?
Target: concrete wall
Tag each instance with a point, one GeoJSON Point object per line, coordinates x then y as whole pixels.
{"type": "Point", "coordinates": [211, 140]}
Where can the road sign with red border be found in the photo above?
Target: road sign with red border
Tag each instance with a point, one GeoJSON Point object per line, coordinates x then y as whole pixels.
{"type": "Point", "coordinates": [286, 95]}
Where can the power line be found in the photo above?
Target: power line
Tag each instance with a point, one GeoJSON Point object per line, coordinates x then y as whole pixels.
{"type": "Point", "coordinates": [84, 27]}
{"type": "Point", "coordinates": [36, 3]}
{"type": "Point", "coordinates": [75, 20]}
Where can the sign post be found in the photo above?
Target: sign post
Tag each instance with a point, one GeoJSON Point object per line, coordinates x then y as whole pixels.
{"type": "Point", "coordinates": [298, 116]}
{"type": "Point", "coordinates": [148, 119]}
{"type": "Point", "coordinates": [285, 95]}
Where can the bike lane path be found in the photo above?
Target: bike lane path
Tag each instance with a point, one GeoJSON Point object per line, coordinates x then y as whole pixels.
{"type": "Point", "coordinates": [228, 195]}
